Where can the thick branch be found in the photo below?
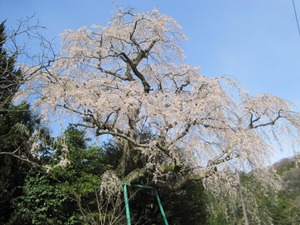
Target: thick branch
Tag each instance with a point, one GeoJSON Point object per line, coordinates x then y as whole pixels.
{"type": "Point", "coordinates": [22, 158]}
{"type": "Point", "coordinates": [133, 66]}
{"type": "Point", "coordinates": [119, 133]}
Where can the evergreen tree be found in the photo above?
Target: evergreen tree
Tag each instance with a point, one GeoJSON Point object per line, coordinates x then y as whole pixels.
{"type": "Point", "coordinates": [16, 126]}
{"type": "Point", "coordinates": [10, 78]}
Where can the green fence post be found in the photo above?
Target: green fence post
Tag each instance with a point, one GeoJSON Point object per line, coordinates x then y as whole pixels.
{"type": "Point", "coordinates": [161, 208]}
{"type": "Point", "coordinates": [127, 205]}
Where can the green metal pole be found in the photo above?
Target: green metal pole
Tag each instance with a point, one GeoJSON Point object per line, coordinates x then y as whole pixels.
{"type": "Point", "coordinates": [161, 208]}
{"type": "Point", "coordinates": [127, 205]}
{"type": "Point", "coordinates": [142, 186]}
{"type": "Point", "coordinates": [127, 202]}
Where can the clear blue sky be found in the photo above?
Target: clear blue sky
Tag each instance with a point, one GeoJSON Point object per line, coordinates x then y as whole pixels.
{"type": "Point", "coordinates": [254, 41]}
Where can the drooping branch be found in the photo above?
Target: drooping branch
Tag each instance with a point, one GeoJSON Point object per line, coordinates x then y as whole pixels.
{"type": "Point", "coordinates": [183, 133]}
{"type": "Point", "coordinates": [120, 134]}
{"type": "Point", "coordinates": [269, 123]}
{"type": "Point", "coordinates": [116, 74]}
{"type": "Point", "coordinates": [224, 157]}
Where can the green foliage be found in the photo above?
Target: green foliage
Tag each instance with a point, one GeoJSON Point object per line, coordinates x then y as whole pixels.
{"type": "Point", "coordinates": [112, 153]}
{"type": "Point", "coordinates": [12, 174]}
{"type": "Point", "coordinates": [218, 217]}
{"type": "Point", "coordinates": [75, 138]}
{"type": "Point", "coordinates": [187, 205]}
{"type": "Point", "coordinates": [42, 202]}
{"type": "Point", "coordinates": [284, 165]}
{"type": "Point", "coordinates": [292, 180]}
{"type": "Point", "coordinates": [288, 201]}
{"type": "Point", "coordinates": [71, 194]}
{"type": "Point", "coordinates": [16, 128]}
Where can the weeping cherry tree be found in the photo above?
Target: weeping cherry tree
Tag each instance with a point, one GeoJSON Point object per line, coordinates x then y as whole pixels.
{"type": "Point", "coordinates": [130, 76]}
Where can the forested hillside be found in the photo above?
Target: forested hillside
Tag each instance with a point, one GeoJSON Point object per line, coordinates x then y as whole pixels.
{"type": "Point", "coordinates": [289, 196]}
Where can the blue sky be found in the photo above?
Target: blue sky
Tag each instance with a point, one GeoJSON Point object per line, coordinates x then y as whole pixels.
{"type": "Point", "coordinates": [256, 42]}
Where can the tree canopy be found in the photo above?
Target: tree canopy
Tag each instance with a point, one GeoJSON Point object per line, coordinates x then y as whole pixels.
{"type": "Point", "coordinates": [130, 76]}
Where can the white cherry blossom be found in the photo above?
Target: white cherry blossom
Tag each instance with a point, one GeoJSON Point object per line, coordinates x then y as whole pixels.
{"type": "Point", "coordinates": [129, 75]}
